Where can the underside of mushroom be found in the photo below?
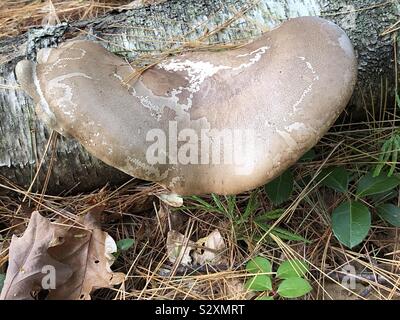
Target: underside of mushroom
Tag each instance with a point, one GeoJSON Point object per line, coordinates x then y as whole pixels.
{"type": "Point", "coordinates": [219, 122]}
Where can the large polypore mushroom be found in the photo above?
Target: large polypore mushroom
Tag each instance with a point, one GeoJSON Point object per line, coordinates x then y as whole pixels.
{"type": "Point", "coordinates": [219, 121]}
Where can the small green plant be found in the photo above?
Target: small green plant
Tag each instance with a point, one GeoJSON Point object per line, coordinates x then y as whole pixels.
{"type": "Point", "coordinates": [2, 278]}
{"type": "Point", "coordinates": [241, 218]}
{"type": "Point", "coordinates": [290, 279]}
{"type": "Point", "coordinates": [279, 191]}
{"type": "Point", "coordinates": [265, 223]}
{"type": "Point", "coordinates": [351, 220]}
{"type": "Point", "coordinates": [389, 154]}
{"type": "Point", "coordinates": [228, 206]}
{"type": "Point", "coordinates": [123, 245]}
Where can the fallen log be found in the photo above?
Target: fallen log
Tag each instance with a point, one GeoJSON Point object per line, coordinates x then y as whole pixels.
{"type": "Point", "coordinates": [145, 35]}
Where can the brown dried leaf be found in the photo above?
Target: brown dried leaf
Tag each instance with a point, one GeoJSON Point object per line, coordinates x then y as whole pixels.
{"type": "Point", "coordinates": [80, 257]}
{"type": "Point", "coordinates": [28, 257]}
{"type": "Point", "coordinates": [88, 253]}
{"type": "Point", "coordinates": [210, 250]}
{"type": "Point", "coordinates": [179, 248]}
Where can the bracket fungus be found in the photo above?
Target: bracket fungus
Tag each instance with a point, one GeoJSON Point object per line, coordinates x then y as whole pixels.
{"type": "Point", "coordinates": [219, 122]}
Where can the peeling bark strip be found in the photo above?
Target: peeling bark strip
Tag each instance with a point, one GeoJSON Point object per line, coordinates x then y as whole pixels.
{"type": "Point", "coordinates": [156, 29]}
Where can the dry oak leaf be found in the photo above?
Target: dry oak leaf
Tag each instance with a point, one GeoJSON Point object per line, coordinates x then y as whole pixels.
{"type": "Point", "coordinates": [28, 259]}
{"type": "Point", "coordinates": [179, 248]}
{"type": "Point", "coordinates": [210, 250]}
{"type": "Point", "coordinates": [89, 253]}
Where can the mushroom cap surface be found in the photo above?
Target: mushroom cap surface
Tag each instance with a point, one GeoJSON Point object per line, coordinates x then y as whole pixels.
{"type": "Point", "coordinates": [219, 122]}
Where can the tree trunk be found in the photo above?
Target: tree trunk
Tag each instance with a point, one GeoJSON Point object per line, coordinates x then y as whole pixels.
{"type": "Point", "coordinates": [156, 29]}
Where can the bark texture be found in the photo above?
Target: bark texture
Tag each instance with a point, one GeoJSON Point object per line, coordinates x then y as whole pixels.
{"type": "Point", "coordinates": [155, 29]}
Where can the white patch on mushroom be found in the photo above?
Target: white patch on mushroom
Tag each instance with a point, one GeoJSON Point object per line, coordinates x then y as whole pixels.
{"type": "Point", "coordinates": [198, 72]}
{"type": "Point", "coordinates": [309, 66]}
{"type": "Point", "coordinates": [253, 52]}
{"type": "Point", "coordinates": [309, 88]}
{"type": "Point", "coordinates": [156, 104]}
{"type": "Point", "coordinates": [50, 67]}
{"type": "Point", "coordinates": [258, 54]}
{"type": "Point", "coordinates": [288, 139]}
{"type": "Point", "coordinates": [43, 102]}
{"type": "Point", "coordinates": [118, 77]}
{"type": "Point", "coordinates": [65, 101]}
{"type": "Point", "coordinates": [295, 127]}
{"type": "Point", "coordinates": [303, 95]}
{"type": "Point", "coordinates": [82, 54]}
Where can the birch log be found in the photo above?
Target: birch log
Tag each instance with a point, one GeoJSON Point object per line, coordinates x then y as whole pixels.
{"type": "Point", "coordinates": [169, 26]}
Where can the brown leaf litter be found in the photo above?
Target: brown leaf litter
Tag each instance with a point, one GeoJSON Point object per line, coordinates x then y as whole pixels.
{"type": "Point", "coordinates": [80, 254]}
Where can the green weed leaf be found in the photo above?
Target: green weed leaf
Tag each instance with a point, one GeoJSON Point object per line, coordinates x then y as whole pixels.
{"type": "Point", "coordinates": [259, 265]}
{"type": "Point", "coordinates": [125, 244]}
{"type": "Point", "coordinates": [390, 213]}
{"type": "Point", "coordinates": [294, 288]}
{"type": "Point", "coordinates": [265, 298]}
{"type": "Point", "coordinates": [259, 283]}
{"type": "Point", "coordinates": [281, 233]}
{"type": "Point", "coordinates": [370, 185]}
{"type": "Point", "coordinates": [308, 156]}
{"type": "Point", "coordinates": [280, 190]}
{"type": "Point", "coordinates": [292, 269]}
{"type": "Point", "coordinates": [272, 215]}
{"type": "Point", "coordinates": [2, 278]}
{"type": "Point", "coordinates": [351, 223]}
{"type": "Point", "coordinates": [336, 179]}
